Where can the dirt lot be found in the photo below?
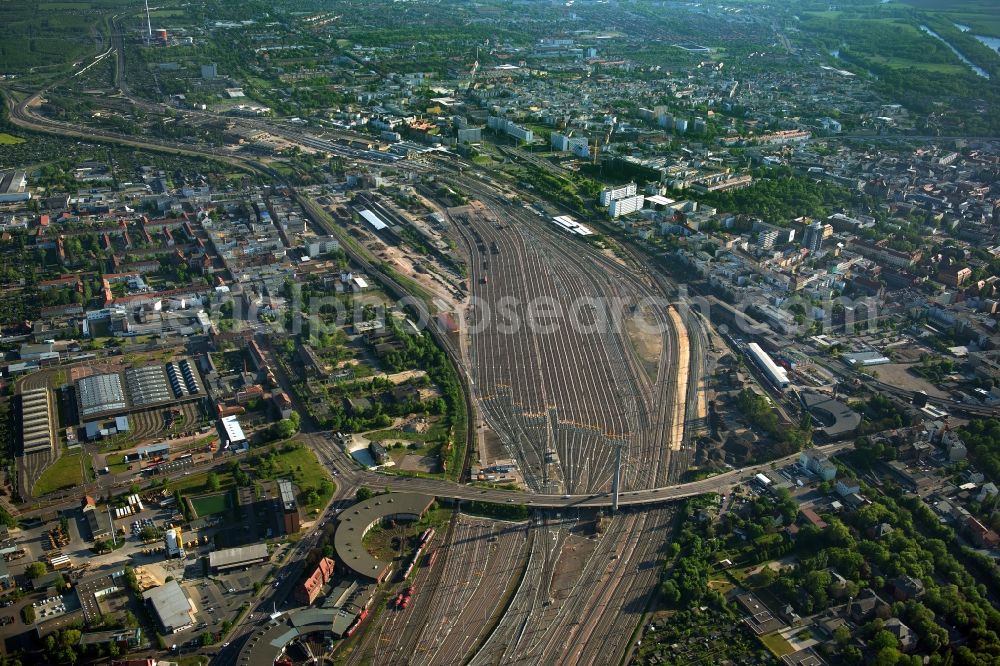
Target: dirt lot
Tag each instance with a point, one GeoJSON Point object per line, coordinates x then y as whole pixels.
{"type": "Point", "coordinates": [908, 353]}
{"type": "Point", "coordinates": [493, 445]}
{"type": "Point", "coordinates": [572, 559]}
{"type": "Point", "coordinates": [898, 374]}
{"type": "Point", "coordinates": [414, 463]}
{"type": "Point", "coordinates": [648, 343]}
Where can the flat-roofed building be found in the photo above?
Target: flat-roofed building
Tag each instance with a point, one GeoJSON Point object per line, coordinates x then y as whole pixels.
{"type": "Point", "coordinates": [355, 522]}
{"type": "Point", "coordinates": [232, 431]}
{"type": "Point", "coordinates": [171, 607]}
{"type": "Point", "coordinates": [125, 639]}
{"type": "Point", "coordinates": [36, 421]}
{"type": "Point", "coordinates": [14, 187]}
{"type": "Point", "coordinates": [234, 558]}
{"type": "Point", "coordinates": [289, 506]}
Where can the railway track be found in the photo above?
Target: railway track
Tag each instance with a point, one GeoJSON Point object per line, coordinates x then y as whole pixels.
{"type": "Point", "coordinates": [454, 601]}
{"type": "Point", "coordinates": [591, 393]}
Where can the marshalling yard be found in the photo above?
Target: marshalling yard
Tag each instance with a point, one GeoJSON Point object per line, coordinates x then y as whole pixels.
{"type": "Point", "coordinates": [455, 599]}
{"type": "Point", "coordinates": [613, 369]}
{"type": "Point", "coordinates": [564, 395]}
{"type": "Point", "coordinates": [559, 401]}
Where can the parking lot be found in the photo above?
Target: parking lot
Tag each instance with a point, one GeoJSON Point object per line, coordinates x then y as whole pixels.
{"type": "Point", "coordinates": [52, 607]}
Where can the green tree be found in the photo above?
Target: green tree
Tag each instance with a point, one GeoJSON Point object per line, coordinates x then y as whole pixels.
{"type": "Point", "coordinates": [671, 594]}
{"type": "Point", "coordinates": [36, 570]}
{"type": "Point", "coordinates": [883, 639]}
{"type": "Point", "coordinates": [888, 656]}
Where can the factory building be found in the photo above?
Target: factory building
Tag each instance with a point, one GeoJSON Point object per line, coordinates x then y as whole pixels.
{"type": "Point", "coordinates": [14, 187]}
{"type": "Point", "coordinates": [171, 607]}
{"type": "Point", "coordinates": [98, 394]}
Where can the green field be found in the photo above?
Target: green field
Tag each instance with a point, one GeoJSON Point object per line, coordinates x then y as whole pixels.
{"type": "Point", "coordinates": [116, 463]}
{"type": "Point", "coordinates": [304, 469]}
{"type": "Point", "coordinates": [207, 505]}
{"type": "Point", "coordinates": [9, 140]}
{"type": "Point", "coordinates": [197, 483]}
{"type": "Point", "coordinates": [980, 15]}
{"type": "Point", "coordinates": [776, 644]}
{"type": "Point", "coordinates": [66, 472]}
{"type": "Point", "coordinates": [901, 63]}
{"type": "Point", "coordinates": [435, 434]}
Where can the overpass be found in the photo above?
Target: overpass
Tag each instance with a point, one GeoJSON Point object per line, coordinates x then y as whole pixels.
{"type": "Point", "coordinates": [630, 498]}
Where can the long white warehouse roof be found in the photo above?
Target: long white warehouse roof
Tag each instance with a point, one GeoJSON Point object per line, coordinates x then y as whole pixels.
{"type": "Point", "coordinates": [778, 374]}
{"type": "Point", "coordinates": [234, 432]}
{"type": "Point", "coordinates": [373, 219]}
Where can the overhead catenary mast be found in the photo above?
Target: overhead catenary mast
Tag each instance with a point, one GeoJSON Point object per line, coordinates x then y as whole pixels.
{"type": "Point", "coordinates": [617, 480]}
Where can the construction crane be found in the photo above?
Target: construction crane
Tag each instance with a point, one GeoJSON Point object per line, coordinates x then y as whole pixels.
{"type": "Point", "coordinates": [472, 72]}
{"type": "Point", "coordinates": [598, 143]}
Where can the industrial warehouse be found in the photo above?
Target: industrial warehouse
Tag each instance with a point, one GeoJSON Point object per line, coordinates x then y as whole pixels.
{"type": "Point", "coordinates": [235, 558]}
{"type": "Point", "coordinates": [141, 387]}
{"type": "Point", "coordinates": [36, 421]}
{"type": "Point", "coordinates": [170, 605]}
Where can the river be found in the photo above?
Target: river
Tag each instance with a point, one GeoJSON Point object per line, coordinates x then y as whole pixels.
{"type": "Point", "coordinates": [975, 68]}
{"type": "Point", "coordinates": [989, 42]}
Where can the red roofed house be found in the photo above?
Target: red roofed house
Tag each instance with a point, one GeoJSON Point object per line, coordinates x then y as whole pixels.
{"type": "Point", "coordinates": [59, 283]}
{"type": "Point", "coordinates": [313, 584]}
{"type": "Point", "coordinates": [283, 403]}
{"type": "Point", "coordinates": [812, 518]}
{"type": "Point", "coordinates": [981, 535]}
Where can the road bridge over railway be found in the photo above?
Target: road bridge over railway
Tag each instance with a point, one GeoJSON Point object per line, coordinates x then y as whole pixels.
{"type": "Point", "coordinates": [633, 498]}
